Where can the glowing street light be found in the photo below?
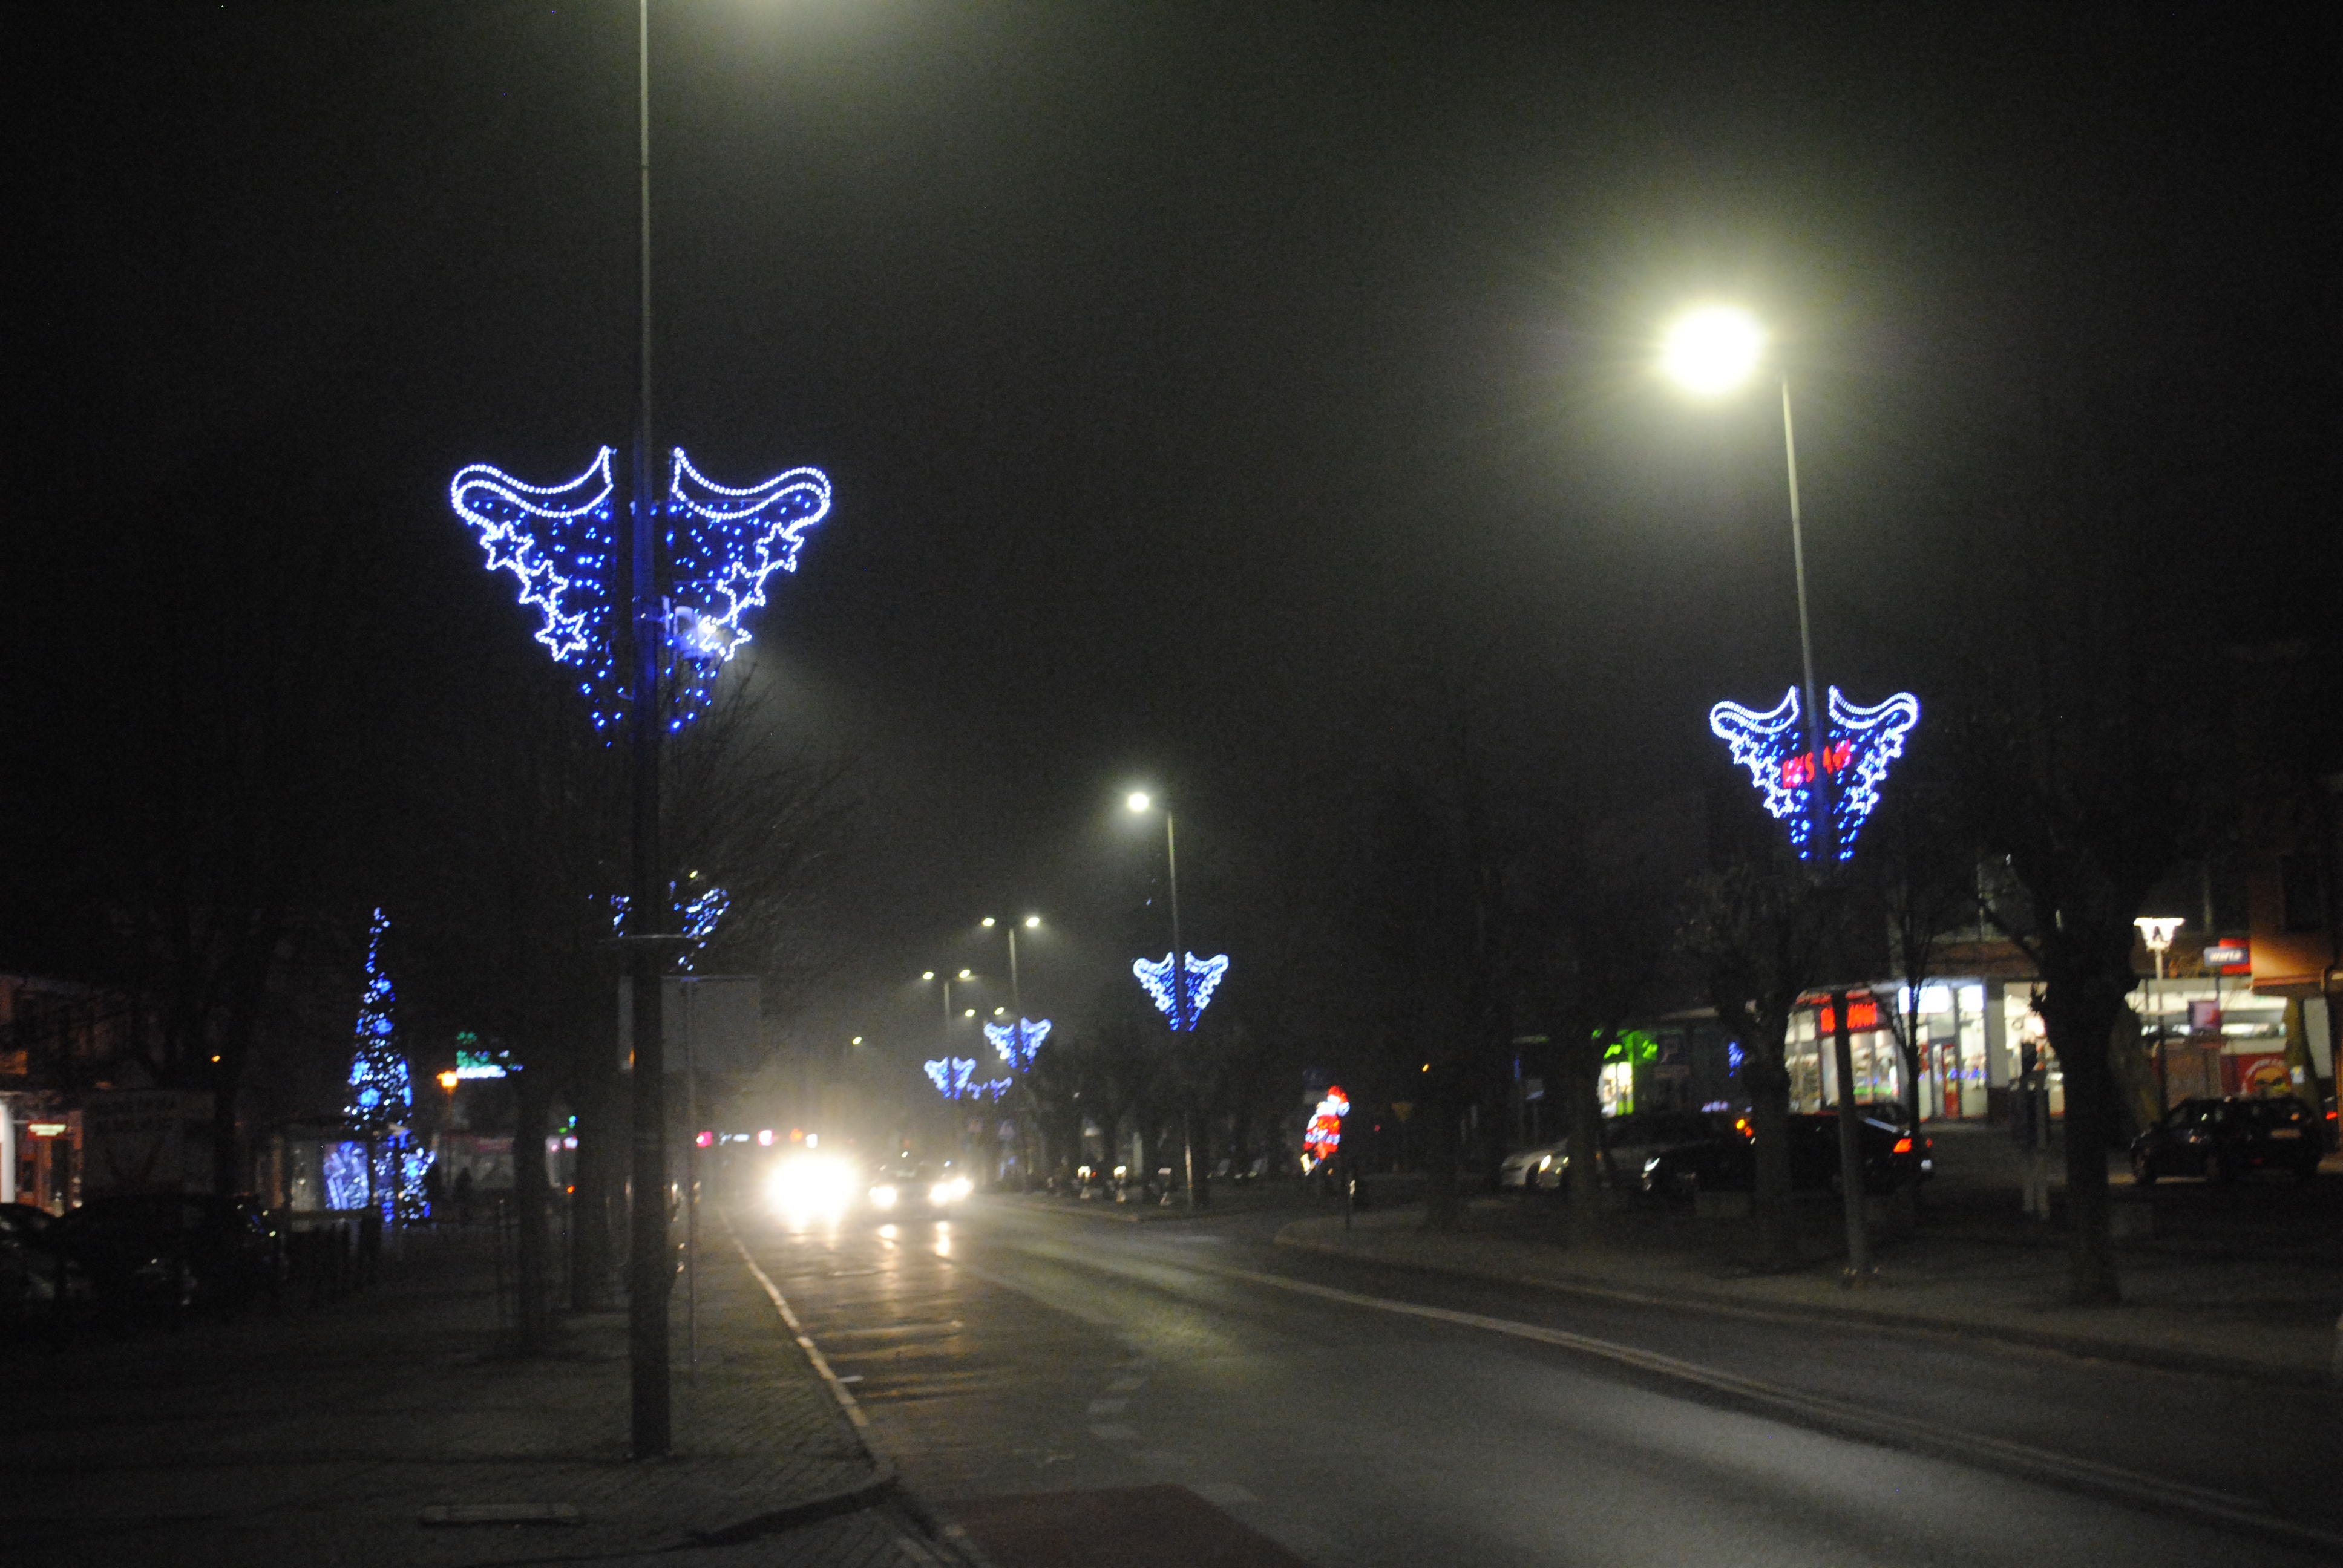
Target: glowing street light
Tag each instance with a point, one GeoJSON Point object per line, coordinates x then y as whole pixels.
{"type": "Point", "coordinates": [1713, 350]}
{"type": "Point", "coordinates": [1709, 351]}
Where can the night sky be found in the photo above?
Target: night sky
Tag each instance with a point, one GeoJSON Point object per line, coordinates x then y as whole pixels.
{"type": "Point", "coordinates": [1214, 394]}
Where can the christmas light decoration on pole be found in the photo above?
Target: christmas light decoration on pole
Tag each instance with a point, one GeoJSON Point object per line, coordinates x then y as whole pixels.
{"type": "Point", "coordinates": [1018, 1042]}
{"type": "Point", "coordinates": [1859, 746]}
{"type": "Point", "coordinates": [951, 1075]}
{"type": "Point", "coordinates": [1203, 977]}
{"type": "Point", "coordinates": [560, 542]}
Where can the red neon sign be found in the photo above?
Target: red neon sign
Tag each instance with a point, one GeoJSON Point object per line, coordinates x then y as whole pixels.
{"type": "Point", "coordinates": [1799, 772]}
{"type": "Point", "coordinates": [1862, 1012]}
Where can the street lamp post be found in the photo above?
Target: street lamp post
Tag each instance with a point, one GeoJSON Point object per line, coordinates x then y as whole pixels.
{"type": "Point", "coordinates": [1711, 351]}
{"type": "Point", "coordinates": [1139, 803]}
{"type": "Point", "coordinates": [649, 1269]}
{"type": "Point", "coordinates": [2157, 932]}
{"type": "Point", "coordinates": [1017, 1016]}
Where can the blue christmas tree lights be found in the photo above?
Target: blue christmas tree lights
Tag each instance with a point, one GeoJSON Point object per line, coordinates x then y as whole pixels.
{"type": "Point", "coordinates": [1017, 1042]}
{"type": "Point", "coordinates": [380, 1090]}
{"type": "Point", "coordinates": [1859, 746]}
{"type": "Point", "coordinates": [389, 1163]}
{"type": "Point", "coordinates": [562, 543]}
{"type": "Point", "coordinates": [1203, 978]}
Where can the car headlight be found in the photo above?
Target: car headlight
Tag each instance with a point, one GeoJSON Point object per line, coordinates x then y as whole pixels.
{"type": "Point", "coordinates": [941, 1192]}
{"type": "Point", "coordinates": [884, 1197]}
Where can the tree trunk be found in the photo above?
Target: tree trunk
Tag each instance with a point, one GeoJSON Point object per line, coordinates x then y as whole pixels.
{"type": "Point", "coordinates": [533, 1093]}
{"type": "Point", "coordinates": [1768, 1077]}
{"type": "Point", "coordinates": [1581, 1067]}
{"type": "Point", "coordinates": [226, 1177]}
{"type": "Point", "coordinates": [1443, 1206]}
{"type": "Point", "coordinates": [2079, 1014]}
{"type": "Point", "coordinates": [593, 1283]}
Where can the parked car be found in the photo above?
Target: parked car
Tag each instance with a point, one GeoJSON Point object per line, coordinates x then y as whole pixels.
{"type": "Point", "coordinates": [2221, 1140]}
{"type": "Point", "coordinates": [170, 1251]}
{"type": "Point", "coordinates": [1629, 1142]}
{"type": "Point", "coordinates": [1535, 1170]}
{"type": "Point", "coordinates": [1726, 1160]}
{"type": "Point", "coordinates": [35, 1276]}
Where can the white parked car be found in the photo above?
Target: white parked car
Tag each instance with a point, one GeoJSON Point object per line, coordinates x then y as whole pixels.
{"type": "Point", "coordinates": [1535, 1170]}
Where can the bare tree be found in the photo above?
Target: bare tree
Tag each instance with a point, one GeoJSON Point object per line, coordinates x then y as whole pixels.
{"type": "Point", "coordinates": [1919, 862]}
{"type": "Point", "coordinates": [2088, 780]}
{"type": "Point", "coordinates": [1761, 931]}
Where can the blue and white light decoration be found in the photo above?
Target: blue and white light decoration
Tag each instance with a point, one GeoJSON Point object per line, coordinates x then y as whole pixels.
{"type": "Point", "coordinates": [564, 545]}
{"type": "Point", "coordinates": [1858, 746]}
{"type": "Point", "coordinates": [381, 1097]}
{"type": "Point", "coordinates": [951, 1075]}
{"type": "Point", "coordinates": [1203, 978]}
{"type": "Point", "coordinates": [1017, 1042]}
{"type": "Point", "coordinates": [701, 916]}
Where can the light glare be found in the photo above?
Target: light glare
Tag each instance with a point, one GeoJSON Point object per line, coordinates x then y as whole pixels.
{"type": "Point", "coordinates": [1712, 349]}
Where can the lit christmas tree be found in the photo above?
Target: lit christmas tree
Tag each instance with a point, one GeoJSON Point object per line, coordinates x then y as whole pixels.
{"type": "Point", "coordinates": [382, 1094]}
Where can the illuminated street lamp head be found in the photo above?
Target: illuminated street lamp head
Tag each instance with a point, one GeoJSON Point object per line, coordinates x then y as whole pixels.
{"type": "Point", "coordinates": [965, 974]}
{"type": "Point", "coordinates": [968, 1012]}
{"type": "Point", "coordinates": [448, 1080]}
{"type": "Point", "coordinates": [927, 974]}
{"type": "Point", "coordinates": [1138, 800]}
{"type": "Point", "coordinates": [1712, 349]}
{"type": "Point", "coordinates": [1031, 922]}
{"type": "Point", "coordinates": [986, 922]}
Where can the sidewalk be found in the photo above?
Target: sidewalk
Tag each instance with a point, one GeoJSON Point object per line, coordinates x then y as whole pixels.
{"type": "Point", "coordinates": [351, 1433]}
{"type": "Point", "coordinates": [2266, 1317]}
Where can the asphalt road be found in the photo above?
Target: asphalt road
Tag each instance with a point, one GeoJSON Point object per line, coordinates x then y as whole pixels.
{"type": "Point", "coordinates": [1031, 1371]}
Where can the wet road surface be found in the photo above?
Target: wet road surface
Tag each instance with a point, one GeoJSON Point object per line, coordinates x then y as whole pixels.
{"type": "Point", "coordinates": [1219, 1398]}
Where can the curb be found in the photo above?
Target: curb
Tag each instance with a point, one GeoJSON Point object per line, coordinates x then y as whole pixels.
{"type": "Point", "coordinates": [886, 1483]}
{"type": "Point", "coordinates": [2079, 1345]}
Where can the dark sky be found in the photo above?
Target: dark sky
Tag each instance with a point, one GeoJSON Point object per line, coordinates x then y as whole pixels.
{"type": "Point", "coordinates": [1197, 380]}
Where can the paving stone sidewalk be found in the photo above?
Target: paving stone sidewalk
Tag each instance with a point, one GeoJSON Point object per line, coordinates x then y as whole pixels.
{"type": "Point", "coordinates": [322, 1436]}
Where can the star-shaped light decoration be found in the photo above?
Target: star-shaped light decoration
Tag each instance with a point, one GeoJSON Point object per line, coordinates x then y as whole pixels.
{"type": "Point", "coordinates": [1859, 745]}
{"type": "Point", "coordinates": [563, 544]}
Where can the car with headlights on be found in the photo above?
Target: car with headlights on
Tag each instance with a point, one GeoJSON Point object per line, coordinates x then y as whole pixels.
{"type": "Point", "coordinates": [916, 1187]}
{"type": "Point", "coordinates": [1534, 1169]}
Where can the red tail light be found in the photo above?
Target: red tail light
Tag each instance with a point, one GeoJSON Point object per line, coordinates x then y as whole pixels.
{"type": "Point", "coordinates": [1903, 1146]}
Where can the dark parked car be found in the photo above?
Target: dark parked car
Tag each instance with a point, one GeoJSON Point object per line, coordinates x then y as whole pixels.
{"type": "Point", "coordinates": [2221, 1140]}
{"type": "Point", "coordinates": [168, 1251]}
{"type": "Point", "coordinates": [1629, 1142]}
{"type": "Point", "coordinates": [35, 1276]}
{"type": "Point", "coordinates": [1727, 1160]}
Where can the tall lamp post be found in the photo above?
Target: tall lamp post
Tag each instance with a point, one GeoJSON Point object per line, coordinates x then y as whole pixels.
{"type": "Point", "coordinates": [1711, 351]}
{"type": "Point", "coordinates": [649, 1269]}
{"type": "Point", "coordinates": [1017, 1023]}
{"type": "Point", "coordinates": [1016, 996]}
{"type": "Point", "coordinates": [2157, 932]}
{"type": "Point", "coordinates": [1138, 803]}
